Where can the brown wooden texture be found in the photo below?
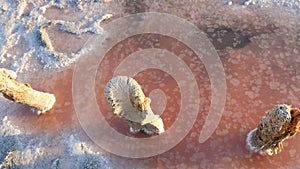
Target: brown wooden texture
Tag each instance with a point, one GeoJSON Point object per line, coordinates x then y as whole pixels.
{"type": "Point", "coordinates": [23, 93]}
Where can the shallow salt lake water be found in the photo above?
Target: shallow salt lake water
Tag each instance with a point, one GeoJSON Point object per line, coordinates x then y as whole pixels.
{"type": "Point", "coordinates": [260, 56]}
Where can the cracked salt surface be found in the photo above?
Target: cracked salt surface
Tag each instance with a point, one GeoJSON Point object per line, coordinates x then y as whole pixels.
{"type": "Point", "coordinates": [26, 26]}
{"type": "Point", "coordinates": [258, 43]}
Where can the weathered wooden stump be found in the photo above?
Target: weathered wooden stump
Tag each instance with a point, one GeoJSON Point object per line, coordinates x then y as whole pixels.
{"type": "Point", "coordinates": [279, 124]}
{"type": "Point", "coordinates": [129, 102]}
{"type": "Point", "coordinates": [22, 93]}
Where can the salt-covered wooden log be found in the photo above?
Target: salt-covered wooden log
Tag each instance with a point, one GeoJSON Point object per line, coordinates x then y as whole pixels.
{"type": "Point", "coordinates": [129, 102]}
{"type": "Point", "coordinates": [19, 92]}
{"type": "Point", "coordinates": [279, 124]}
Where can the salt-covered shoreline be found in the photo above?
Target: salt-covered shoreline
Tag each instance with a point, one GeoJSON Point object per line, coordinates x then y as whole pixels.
{"type": "Point", "coordinates": [42, 40]}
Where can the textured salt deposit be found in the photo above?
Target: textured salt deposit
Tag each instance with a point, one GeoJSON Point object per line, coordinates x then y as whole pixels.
{"type": "Point", "coordinates": [25, 43]}
{"type": "Point", "coordinates": [258, 43]}
{"type": "Point", "coordinates": [28, 44]}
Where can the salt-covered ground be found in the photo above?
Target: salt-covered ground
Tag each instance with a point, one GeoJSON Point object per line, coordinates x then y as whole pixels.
{"type": "Point", "coordinates": [258, 43]}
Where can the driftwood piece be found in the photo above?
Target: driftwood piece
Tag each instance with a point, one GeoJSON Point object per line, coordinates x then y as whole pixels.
{"type": "Point", "coordinates": [129, 102]}
{"type": "Point", "coordinates": [279, 124]}
{"type": "Point", "coordinates": [22, 93]}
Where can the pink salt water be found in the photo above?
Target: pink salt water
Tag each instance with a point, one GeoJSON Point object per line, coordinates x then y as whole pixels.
{"type": "Point", "coordinates": [257, 79]}
{"type": "Point", "coordinates": [254, 86]}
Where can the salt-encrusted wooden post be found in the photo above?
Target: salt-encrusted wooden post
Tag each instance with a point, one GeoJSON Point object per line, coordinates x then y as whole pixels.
{"type": "Point", "coordinates": [19, 92]}
{"type": "Point", "coordinates": [279, 124]}
{"type": "Point", "coordinates": [129, 102]}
